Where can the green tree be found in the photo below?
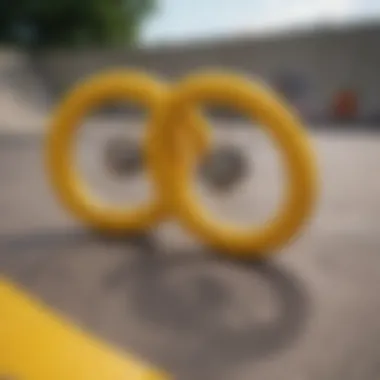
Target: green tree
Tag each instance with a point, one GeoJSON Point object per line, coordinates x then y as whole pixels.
{"type": "Point", "coordinates": [72, 23]}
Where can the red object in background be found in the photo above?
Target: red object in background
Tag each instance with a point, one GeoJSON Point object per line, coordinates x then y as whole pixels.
{"type": "Point", "coordinates": [345, 105]}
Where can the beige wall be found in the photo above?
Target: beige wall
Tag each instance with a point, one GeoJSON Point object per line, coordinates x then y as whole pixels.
{"type": "Point", "coordinates": [330, 59]}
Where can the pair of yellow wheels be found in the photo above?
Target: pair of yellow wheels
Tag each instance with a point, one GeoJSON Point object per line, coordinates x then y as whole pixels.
{"type": "Point", "coordinates": [176, 138]}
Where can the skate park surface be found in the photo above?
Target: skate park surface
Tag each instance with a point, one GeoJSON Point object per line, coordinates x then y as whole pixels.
{"type": "Point", "coordinates": [309, 312]}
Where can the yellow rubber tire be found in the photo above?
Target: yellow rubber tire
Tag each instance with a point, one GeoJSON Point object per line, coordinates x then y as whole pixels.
{"type": "Point", "coordinates": [61, 169]}
{"type": "Point", "coordinates": [172, 166]}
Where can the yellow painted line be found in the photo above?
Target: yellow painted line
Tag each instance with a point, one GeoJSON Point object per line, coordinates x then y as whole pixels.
{"type": "Point", "coordinates": [37, 345]}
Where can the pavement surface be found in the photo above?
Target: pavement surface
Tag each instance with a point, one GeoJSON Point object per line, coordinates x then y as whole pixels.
{"type": "Point", "coordinates": [310, 312]}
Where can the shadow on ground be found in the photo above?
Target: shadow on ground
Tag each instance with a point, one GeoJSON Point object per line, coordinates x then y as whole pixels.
{"type": "Point", "coordinates": [191, 298]}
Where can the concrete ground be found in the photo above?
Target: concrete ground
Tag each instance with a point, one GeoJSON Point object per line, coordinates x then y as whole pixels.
{"type": "Point", "coordinates": [309, 313]}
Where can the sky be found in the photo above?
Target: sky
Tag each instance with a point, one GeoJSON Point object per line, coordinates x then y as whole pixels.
{"type": "Point", "coordinates": [181, 20]}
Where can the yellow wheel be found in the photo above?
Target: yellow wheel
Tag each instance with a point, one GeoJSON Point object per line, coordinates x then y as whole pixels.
{"type": "Point", "coordinates": [171, 164]}
{"type": "Point", "coordinates": [65, 178]}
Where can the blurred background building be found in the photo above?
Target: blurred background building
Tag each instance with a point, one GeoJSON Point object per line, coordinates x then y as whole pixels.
{"type": "Point", "coordinates": [322, 58]}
